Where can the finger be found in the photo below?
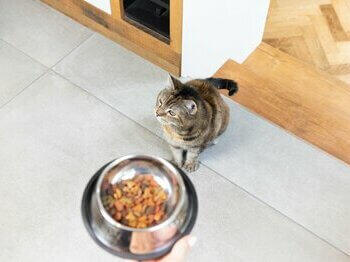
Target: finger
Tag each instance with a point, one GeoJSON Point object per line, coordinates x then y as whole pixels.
{"type": "Point", "coordinates": [180, 250]}
{"type": "Point", "coordinates": [166, 233]}
{"type": "Point", "coordinates": [139, 261]}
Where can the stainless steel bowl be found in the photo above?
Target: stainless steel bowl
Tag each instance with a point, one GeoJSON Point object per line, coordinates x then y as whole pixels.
{"type": "Point", "coordinates": [147, 243]}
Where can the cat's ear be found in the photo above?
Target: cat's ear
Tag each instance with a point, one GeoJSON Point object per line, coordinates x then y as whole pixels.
{"type": "Point", "coordinates": [191, 106]}
{"type": "Point", "coordinates": [175, 84]}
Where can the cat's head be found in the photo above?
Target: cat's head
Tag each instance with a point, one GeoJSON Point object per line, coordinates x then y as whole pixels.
{"type": "Point", "coordinates": [177, 105]}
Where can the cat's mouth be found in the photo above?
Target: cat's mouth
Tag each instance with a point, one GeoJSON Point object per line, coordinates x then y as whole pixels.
{"type": "Point", "coordinates": [161, 120]}
{"type": "Point", "coordinates": [164, 122]}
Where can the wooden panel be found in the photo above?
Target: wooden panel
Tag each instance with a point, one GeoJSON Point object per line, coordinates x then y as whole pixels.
{"type": "Point", "coordinates": [334, 25]}
{"type": "Point", "coordinates": [294, 95]}
{"type": "Point", "coordinates": [175, 21]}
{"type": "Point", "coordinates": [342, 9]}
{"type": "Point", "coordinates": [117, 10]}
{"type": "Point", "coordinates": [121, 32]}
{"type": "Point", "coordinates": [176, 25]}
{"type": "Point", "coordinates": [323, 24]}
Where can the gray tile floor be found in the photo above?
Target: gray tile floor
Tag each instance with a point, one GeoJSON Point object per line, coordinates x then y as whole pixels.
{"type": "Point", "coordinates": [70, 100]}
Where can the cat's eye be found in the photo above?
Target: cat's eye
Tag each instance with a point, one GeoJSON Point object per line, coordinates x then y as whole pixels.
{"type": "Point", "coordinates": [171, 112]}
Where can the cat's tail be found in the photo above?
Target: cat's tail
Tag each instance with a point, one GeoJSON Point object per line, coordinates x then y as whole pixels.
{"type": "Point", "coordinates": [221, 83]}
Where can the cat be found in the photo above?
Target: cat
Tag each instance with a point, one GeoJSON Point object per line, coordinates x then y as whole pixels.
{"type": "Point", "coordinates": [192, 116]}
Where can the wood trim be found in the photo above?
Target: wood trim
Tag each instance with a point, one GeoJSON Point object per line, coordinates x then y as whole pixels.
{"type": "Point", "coordinates": [294, 95]}
{"type": "Point", "coordinates": [176, 21]}
{"type": "Point", "coordinates": [117, 9]}
{"type": "Point", "coordinates": [121, 32]}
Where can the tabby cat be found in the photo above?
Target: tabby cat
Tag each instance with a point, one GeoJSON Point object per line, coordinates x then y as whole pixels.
{"type": "Point", "coordinates": [193, 115]}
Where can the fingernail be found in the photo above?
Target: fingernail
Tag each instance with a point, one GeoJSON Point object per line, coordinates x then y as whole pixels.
{"type": "Point", "coordinates": [192, 241]}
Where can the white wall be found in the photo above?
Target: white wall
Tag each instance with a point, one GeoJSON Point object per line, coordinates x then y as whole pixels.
{"type": "Point", "coordinates": [216, 30]}
{"type": "Point", "coordinates": [104, 5]}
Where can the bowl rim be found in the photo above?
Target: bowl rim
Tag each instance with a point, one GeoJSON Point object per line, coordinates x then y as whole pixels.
{"type": "Point", "coordinates": [164, 223]}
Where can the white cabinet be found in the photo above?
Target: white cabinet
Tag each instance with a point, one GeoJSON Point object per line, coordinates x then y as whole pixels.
{"type": "Point", "coordinates": [104, 5]}
{"type": "Point", "coordinates": [215, 31]}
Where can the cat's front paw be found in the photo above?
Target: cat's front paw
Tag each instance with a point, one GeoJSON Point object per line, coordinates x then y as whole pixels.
{"type": "Point", "coordinates": [191, 166]}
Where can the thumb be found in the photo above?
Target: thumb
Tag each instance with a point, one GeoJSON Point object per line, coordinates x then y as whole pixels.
{"type": "Point", "coordinates": [180, 250]}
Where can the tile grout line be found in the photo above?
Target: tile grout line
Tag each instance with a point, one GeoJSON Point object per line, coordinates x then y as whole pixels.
{"type": "Point", "coordinates": [316, 148]}
{"type": "Point", "coordinates": [22, 52]}
{"type": "Point", "coordinates": [71, 51]}
{"type": "Point", "coordinates": [215, 172]}
{"type": "Point", "coordinates": [37, 61]}
{"type": "Point", "coordinates": [47, 69]}
{"type": "Point", "coordinates": [279, 212]}
{"type": "Point", "coordinates": [59, 13]}
{"type": "Point", "coordinates": [25, 88]}
{"type": "Point", "coordinates": [107, 104]}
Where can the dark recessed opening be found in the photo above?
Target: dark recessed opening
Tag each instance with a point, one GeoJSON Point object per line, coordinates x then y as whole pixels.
{"type": "Point", "coordinates": [150, 15]}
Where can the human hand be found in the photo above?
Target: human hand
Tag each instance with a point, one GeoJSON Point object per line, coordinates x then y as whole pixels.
{"type": "Point", "coordinates": [179, 251]}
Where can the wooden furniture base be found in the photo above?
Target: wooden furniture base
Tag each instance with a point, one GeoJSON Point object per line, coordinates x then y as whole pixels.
{"type": "Point", "coordinates": [167, 56]}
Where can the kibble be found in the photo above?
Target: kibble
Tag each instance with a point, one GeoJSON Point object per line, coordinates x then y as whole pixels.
{"type": "Point", "coordinates": [138, 202]}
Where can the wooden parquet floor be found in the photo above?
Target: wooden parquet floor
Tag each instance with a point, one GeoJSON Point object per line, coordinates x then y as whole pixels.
{"type": "Point", "coordinates": [314, 31]}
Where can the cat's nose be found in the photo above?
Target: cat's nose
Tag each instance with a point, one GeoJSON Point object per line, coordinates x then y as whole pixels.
{"type": "Point", "coordinates": [157, 114]}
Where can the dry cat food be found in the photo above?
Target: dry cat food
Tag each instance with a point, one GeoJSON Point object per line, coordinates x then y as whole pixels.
{"type": "Point", "coordinates": [137, 202]}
